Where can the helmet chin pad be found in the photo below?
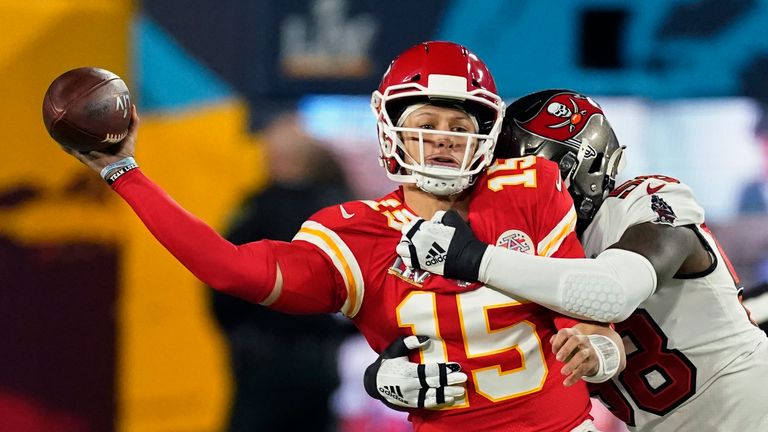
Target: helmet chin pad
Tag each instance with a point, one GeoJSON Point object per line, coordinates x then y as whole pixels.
{"type": "Point", "coordinates": [442, 186]}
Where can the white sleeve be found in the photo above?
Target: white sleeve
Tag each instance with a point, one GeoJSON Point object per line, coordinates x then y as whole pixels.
{"type": "Point", "coordinates": [606, 289]}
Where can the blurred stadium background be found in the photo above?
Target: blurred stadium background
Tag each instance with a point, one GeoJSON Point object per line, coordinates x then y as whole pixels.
{"type": "Point", "coordinates": [101, 329]}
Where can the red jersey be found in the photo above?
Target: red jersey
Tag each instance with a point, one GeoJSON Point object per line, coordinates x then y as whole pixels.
{"type": "Point", "coordinates": [344, 259]}
{"type": "Point", "coordinates": [502, 343]}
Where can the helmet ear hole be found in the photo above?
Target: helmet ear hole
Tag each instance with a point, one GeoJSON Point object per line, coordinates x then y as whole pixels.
{"type": "Point", "coordinates": [567, 165]}
{"type": "Point", "coordinates": [597, 164]}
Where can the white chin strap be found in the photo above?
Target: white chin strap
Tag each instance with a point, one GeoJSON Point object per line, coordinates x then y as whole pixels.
{"type": "Point", "coordinates": [441, 186]}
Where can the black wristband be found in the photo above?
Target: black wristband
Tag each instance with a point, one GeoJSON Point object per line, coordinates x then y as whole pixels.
{"type": "Point", "coordinates": [463, 260]}
{"type": "Point", "coordinates": [465, 253]}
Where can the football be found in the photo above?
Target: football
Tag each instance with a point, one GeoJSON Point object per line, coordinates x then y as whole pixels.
{"type": "Point", "coordinates": [87, 109]}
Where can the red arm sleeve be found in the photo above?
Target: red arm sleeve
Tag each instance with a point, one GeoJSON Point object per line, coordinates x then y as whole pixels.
{"type": "Point", "coordinates": [248, 271]}
{"type": "Point", "coordinates": [310, 282]}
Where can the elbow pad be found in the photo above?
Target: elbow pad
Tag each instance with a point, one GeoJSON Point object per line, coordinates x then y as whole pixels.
{"type": "Point", "coordinates": [605, 289]}
{"type": "Point", "coordinates": [611, 295]}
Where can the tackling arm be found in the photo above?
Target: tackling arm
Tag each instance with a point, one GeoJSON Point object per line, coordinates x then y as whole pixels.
{"type": "Point", "coordinates": [606, 289]}
{"type": "Point", "coordinates": [670, 250]}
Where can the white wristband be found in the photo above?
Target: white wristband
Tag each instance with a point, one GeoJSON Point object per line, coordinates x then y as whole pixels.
{"type": "Point", "coordinates": [113, 171]}
{"type": "Point", "coordinates": [607, 358]}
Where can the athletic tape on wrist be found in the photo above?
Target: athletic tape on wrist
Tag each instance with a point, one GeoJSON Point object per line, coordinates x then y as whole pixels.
{"type": "Point", "coordinates": [607, 358]}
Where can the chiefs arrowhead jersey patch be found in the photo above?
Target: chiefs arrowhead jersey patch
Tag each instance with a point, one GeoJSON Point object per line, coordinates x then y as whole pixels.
{"type": "Point", "coordinates": [517, 241]}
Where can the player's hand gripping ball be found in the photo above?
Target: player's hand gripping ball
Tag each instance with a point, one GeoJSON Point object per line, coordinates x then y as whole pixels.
{"type": "Point", "coordinates": [87, 109]}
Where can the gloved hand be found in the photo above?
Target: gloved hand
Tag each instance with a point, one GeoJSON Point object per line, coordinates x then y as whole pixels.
{"type": "Point", "coordinates": [401, 384]}
{"type": "Point", "coordinates": [444, 245]}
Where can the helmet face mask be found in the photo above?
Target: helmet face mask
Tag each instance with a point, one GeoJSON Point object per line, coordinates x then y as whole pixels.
{"type": "Point", "coordinates": [442, 74]}
{"type": "Point", "coordinates": [570, 129]}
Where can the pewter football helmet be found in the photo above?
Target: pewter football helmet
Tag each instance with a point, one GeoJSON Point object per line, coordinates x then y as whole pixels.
{"type": "Point", "coordinates": [570, 129]}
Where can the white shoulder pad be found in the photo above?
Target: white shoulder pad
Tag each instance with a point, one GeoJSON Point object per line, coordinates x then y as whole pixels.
{"type": "Point", "coordinates": [656, 199]}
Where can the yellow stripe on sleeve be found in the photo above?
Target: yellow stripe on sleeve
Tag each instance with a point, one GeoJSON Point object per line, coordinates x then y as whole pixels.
{"type": "Point", "coordinates": [551, 243]}
{"type": "Point", "coordinates": [341, 257]}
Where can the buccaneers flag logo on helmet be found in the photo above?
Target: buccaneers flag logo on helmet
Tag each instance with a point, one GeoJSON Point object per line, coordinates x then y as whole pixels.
{"type": "Point", "coordinates": [562, 117]}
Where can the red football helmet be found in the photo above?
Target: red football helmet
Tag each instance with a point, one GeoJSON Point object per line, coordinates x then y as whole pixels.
{"type": "Point", "coordinates": [438, 73]}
